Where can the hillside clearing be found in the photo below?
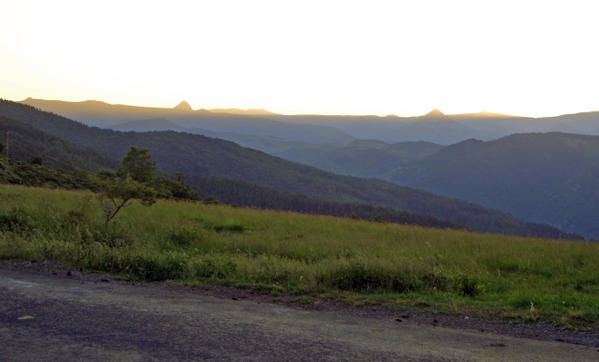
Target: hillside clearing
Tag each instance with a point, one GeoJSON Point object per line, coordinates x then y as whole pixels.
{"type": "Point", "coordinates": [308, 256]}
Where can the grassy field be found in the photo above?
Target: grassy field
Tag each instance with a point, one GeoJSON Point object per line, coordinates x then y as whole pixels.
{"type": "Point", "coordinates": [308, 256]}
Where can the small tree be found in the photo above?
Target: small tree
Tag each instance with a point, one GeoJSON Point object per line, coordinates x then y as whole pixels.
{"type": "Point", "coordinates": [180, 189]}
{"type": "Point", "coordinates": [132, 181]}
{"type": "Point", "coordinates": [139, 165]}
{"type": "Point", "coordinates": [118, 192]}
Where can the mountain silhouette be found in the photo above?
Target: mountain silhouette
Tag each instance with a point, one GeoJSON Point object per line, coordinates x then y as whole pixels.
{"type": "Point", "coordinates": [435, 113]}
{"type": "Point", "coordinates": [183, 106]}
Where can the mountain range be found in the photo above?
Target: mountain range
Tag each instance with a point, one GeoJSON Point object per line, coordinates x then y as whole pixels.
{"type": "Point", "coordinates": [104, 115]}
{"type": "Point", "coordinates": [201, 157]}
{"type": "Point", "coordinates": [434, 127]}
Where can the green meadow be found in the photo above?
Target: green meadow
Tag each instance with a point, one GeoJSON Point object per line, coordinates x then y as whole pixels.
{"type": "Point", "coordinates": [308, 257]}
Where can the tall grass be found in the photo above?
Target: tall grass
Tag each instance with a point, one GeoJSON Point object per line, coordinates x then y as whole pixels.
{"type": "Point", "coordinates": [287, 252]}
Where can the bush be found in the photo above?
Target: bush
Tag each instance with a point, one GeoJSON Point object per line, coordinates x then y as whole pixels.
{"type": "Point", "coordinates": [362, 278]}
{"type": "Point", "coordinates": [467, 286]}
{"type": "Point", "coordinates": [158, 269]}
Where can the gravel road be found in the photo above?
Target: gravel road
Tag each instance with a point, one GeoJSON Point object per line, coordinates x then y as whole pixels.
{"type": "Point", "coordinates": [59, 316]}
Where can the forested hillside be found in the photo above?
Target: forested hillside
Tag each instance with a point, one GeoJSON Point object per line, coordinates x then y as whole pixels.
{"type": "Point", "coordinates": [368, 159]}
{"type": "Point", "coordinates": [543, 177]}
{"type": "Point", "coordinates": [28, 143]}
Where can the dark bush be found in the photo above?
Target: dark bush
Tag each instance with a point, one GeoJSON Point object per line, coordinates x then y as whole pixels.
{"type": "Point", "coordinates": [400, 284]}
{"type": "Point", "coordinates": [467, 286]}
{"type": "Point", "coordinates": [362, 278]}
{"type": "Point", "coordinates": [155, 269]}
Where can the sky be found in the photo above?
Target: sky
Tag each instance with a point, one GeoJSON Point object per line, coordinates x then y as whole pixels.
{"type": "Point", "coordinates": [531, 58]}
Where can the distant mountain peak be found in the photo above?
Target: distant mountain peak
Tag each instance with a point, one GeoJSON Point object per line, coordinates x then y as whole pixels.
{"type": "Point", "coordinates": [183, 106]}
{"type": "Point", "coordinates": [435, 113]}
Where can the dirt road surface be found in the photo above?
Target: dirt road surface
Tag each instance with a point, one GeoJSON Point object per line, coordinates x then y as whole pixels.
{"type": "Point", "coordinates": [71, 317]}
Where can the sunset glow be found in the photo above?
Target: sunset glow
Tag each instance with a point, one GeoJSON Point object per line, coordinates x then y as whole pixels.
{"type": "Point", "coordinates": [343, 57]}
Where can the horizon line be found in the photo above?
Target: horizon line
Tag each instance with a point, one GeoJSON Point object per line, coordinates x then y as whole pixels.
{"type": "Point", "coordinates": [266, 111]}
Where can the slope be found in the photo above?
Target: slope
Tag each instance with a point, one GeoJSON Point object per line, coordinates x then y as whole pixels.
{"type": "Point", "coordinates": [369, 159]}
{"type": "Point", "coordinates": [27, 142]}
{"type": "Point", "coordinates": [549, 178]}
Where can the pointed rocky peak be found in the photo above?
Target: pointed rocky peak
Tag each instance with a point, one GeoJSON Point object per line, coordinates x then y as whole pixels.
{"type": "Point", "coordinates": [435, 113]}
{"type": "Point", "coordinates": [183, 106]}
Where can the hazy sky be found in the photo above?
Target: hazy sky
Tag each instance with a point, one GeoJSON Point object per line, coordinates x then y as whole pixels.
{"type": "Point", "coordinates": [360, 57]}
